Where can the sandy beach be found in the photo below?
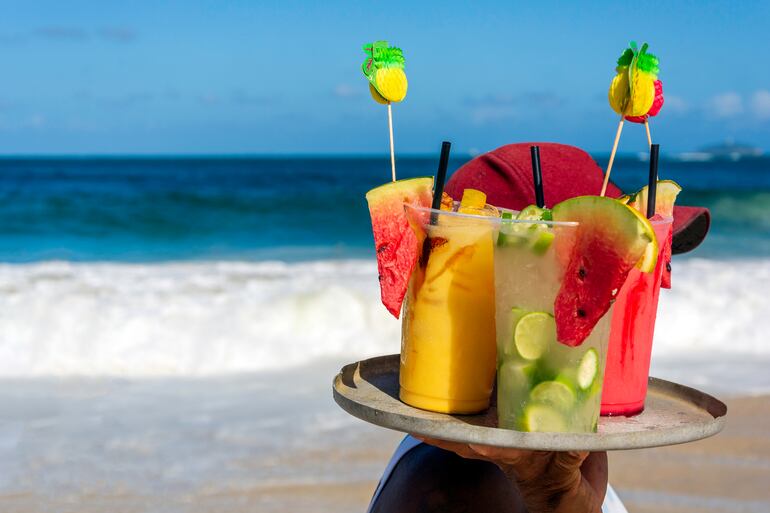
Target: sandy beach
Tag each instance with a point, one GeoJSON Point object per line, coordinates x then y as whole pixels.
{"type": "Point", "coordinates": [725, 473]}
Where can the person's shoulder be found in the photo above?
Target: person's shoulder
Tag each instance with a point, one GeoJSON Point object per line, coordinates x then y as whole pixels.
{"type": "Point", "coordinates": [428, 479]}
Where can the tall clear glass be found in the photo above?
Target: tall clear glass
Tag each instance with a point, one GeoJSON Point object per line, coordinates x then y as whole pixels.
{"type": "Point", "coordinates": [448, 330]}
{"type": "Point", "coordinates": [542, 384]}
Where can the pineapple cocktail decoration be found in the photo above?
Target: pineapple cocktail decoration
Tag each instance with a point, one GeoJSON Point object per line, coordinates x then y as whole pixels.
{"type": "Point", "coordinates": [635, 93]}
{"type": "Point", "coordinates": [384, 68]}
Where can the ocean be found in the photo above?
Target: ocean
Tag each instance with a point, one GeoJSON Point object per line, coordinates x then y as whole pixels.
{"type": "Point", "coordinates": [169, 327]}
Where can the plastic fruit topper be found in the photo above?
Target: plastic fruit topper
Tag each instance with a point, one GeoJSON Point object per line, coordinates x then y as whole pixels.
{"type": "Point", "coordinates": [397, 246]}
{"type": "Point", "coordinates": [384, 68]}
{"type": "Point", "coordinates": [635, 94]}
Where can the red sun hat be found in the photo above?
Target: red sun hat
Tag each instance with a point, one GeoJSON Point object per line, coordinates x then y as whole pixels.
{"type": "Point", "coordinates": [505, 176]}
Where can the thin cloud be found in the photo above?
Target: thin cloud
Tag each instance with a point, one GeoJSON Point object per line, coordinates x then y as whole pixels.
{"type": "Point", "coordinates": [209, 99]}
{"type": "Point", "coordinates": [34, 121]}
{"type": "Point", "coordinates": [726, 105]}
{"type": "Point", "coordinates": [675, 104]}
{"type": "Point", "coordinates": [7, 38]}
{"type": "Point", "coordinates": [760, 104]}
{"type": "Point", "coordinates": [491, 108]}
{"type": "Point", "coordinates": [62, 33]}
{"type": "Point", "coordinates": [242, 97]}
{"type": "Point", "coordinates": [346, 91]}
{"type": "Point", "coordinates": [118, 34]}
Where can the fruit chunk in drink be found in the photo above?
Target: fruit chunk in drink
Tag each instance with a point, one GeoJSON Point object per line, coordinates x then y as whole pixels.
{"type": "Point", "coordinates": [448, 332]}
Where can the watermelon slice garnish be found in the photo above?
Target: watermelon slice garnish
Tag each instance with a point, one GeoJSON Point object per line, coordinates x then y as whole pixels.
{"type": "Point", "coordinates": [398, 248]}
{"type": "Point", "coordinates": [606, 245]}
{"type": "Point", "coordinates": [667, 191]}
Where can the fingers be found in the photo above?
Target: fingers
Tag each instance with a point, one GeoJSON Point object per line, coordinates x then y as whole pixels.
{"type": "Point", "coordinates": [595, 472]}
{"type": "Point", "coordinates": [501, 454]}
{"type": "Point", "coordinates": [461, 449]}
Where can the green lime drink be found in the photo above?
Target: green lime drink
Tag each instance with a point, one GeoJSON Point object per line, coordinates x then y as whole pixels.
{"type": "Point", "coordinates": [542, 384]}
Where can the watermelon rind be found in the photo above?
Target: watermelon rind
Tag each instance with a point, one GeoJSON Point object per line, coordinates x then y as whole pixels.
{"type": "Point", "coordinates": [396, 244]}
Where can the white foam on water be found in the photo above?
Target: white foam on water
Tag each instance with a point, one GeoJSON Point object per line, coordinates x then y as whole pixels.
{"type": "Point", "coordinates": [187, 319]}
{"type": "Point", "coordinates": [218, 318]}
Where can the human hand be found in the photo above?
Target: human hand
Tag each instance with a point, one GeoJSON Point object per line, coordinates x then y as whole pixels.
{"type": "Point", "coordinates": [549, 482]}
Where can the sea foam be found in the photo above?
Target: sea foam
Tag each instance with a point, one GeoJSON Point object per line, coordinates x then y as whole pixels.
{"type": "Point", "coordinates": [216, 318]}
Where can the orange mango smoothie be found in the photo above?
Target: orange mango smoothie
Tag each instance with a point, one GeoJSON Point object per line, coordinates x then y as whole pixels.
{"type": "Point", "coordinates": [448, 347]}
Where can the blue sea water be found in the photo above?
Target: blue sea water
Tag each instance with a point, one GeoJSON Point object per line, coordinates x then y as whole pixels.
{"type": "Point", "coordinates": [162, 209]}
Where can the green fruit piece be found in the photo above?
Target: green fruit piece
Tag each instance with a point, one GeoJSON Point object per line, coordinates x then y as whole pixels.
{"type": "Point", "coordinates": [533, 333]}
{"type": "Point", "coordinates": [531, 213]}
{"type": "Point", "coordinates": [665, 198]}
{"type": "Point", "coordinates": [607, 243]}
{"type": "Point", "coordinates": [537, 236]}
{"type": "Point", "coordinates": [542, 418]}
{"type": "Point", "coordinates": [516, 314]}
{"type": "Point", "coordinates": [542, 242]}
{"type": "Point", "coordinates": [588, 369]}
{"type": "Point", "coordinates": [554, 393]}
{"type": "Point", "coordinates": [509, 235]}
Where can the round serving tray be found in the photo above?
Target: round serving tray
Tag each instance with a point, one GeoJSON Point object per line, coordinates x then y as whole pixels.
{"type": "Point", "coordinates": [673, 414]}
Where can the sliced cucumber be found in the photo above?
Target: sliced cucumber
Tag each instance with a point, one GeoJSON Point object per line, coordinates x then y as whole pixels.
{"type": "Point", "coordinates": [542, 418]}
{"type": "Point", "coordinates": [588, 369]}
{"type": "Point", "coordinates": [533, 333]}
{"type": "Point", "coordinates": [554, 393]}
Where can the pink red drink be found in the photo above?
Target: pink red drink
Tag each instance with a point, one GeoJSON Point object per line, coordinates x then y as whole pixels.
{"type": "Point", "coordinates": [631, 333]}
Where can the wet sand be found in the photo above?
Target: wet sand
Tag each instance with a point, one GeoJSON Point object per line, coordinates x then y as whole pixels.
{"type": "Point", "coordinates": [729, 472]}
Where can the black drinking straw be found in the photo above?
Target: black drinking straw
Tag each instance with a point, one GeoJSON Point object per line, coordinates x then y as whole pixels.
{"type": "Point", "coordinates": [438, 191]}
{"type": "Point", "coordinates": [438, 187]}
{"type": "Point", "coordinates": [537, 174]}
{"type": "Point", "coordinates": [652, 183]}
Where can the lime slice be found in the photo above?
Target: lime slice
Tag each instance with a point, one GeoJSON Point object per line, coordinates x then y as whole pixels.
{"type": "Point", "coordinates": [542, 242]}
{"type": "Point", "coordinates": [539, 417]}
{"type": "Point", "coordinates": [531, 213]}
{"type": "Point", "coordinates": [588, 369]}
{"type": "Point", "coordinates": [535, 235]}
{"type": "Point", "coordinates": [533, 333]}
{"type": "Point", "coordinates": [554, 393]}
{"type": "Point", "coordinates": [516, 314]}
{"type": "Point", "coordinates": [646, 264]}
{"type": "Point", "coordinates": [665, 198]}
{"type": "Point", "coordinates": [509, 233]}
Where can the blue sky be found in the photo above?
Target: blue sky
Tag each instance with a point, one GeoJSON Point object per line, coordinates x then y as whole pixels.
{"type": "Point", "coordinates": [284, 77]}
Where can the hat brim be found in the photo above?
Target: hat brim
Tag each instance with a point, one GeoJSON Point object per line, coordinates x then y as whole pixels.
{"type": "Point", "coordinates": [691, 224]}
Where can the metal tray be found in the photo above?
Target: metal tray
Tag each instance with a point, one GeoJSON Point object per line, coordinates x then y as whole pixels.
{"type": "Point", "coordinates": [673, 414]}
